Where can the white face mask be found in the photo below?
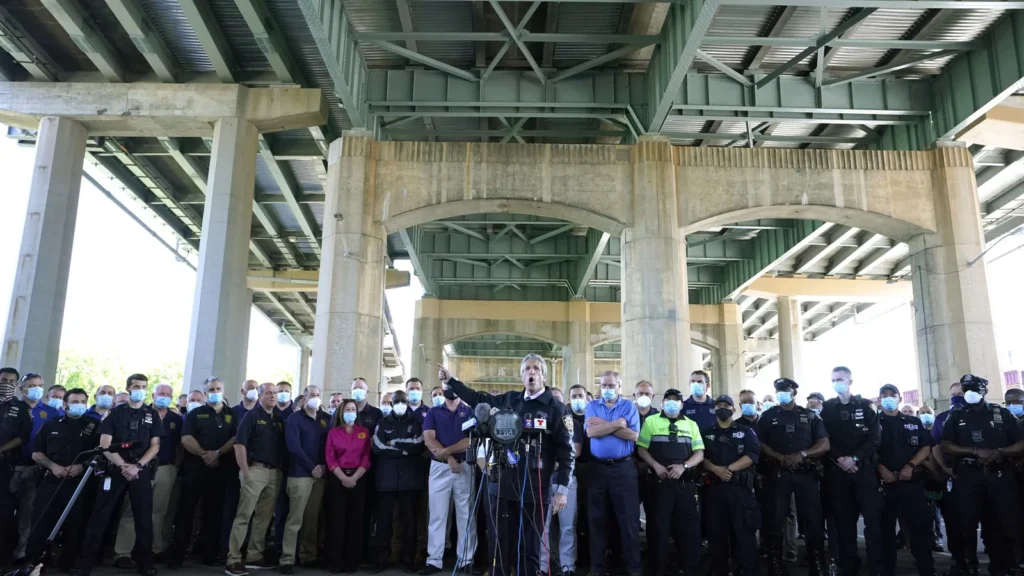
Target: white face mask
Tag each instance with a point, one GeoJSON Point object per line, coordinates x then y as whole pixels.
{"type": "Point", "coordinates": [252, 395]}
{"type": "Point", "coordinates": [643, 401]}
{"type": "Point", "coordinates": [972, 397]}
{"type": "Point", "coordinates": [399, 409]}
{"type": "Point", "coordinates": [313, 404]}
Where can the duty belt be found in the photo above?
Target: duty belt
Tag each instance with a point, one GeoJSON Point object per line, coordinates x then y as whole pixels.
{"type": "Point", "coordinates": [977, 465]}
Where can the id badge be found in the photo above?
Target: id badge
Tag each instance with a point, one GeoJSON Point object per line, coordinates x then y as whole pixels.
{"type": "Point", "coordinates": [106, 484]}
{"type": "Point", "coordinates": [790, 429]}
{"type": "Point", "coordinates": [976, 436]}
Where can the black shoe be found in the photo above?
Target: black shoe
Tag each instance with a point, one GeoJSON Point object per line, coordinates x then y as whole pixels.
{"type": "Point", "coordinates": [428, 569]}
{"type": "Point", "coordinates": [124, 563]}
{"type": "Point", "coordinates": [151, 571]}
{"type": "Point", "coordinates": [263, 564]}
{"type": "Point", "coordinates": [378, 568]}
{"type": "Point", "coordinates": [286, 569]}
{"type": "Point", "coordinates": [409, 568]}
{"type": "Point", "coordinates": [236, 569]}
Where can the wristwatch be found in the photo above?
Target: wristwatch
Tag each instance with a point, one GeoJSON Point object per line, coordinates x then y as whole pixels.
{"type": "Point", "coordinates": [803, 453]}
{"type": "Point", "coordinates": [686, 466]}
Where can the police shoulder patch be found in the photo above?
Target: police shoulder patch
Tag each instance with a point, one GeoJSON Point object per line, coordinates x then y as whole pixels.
{"type": "Point", "coordinates": [174, 425]}
{"type": "Point", "coordinates": [361, 435]}
{"type": "Point", "coordinates": [567, 422]}
{"type": "Point", "coordinates": [227, 418]}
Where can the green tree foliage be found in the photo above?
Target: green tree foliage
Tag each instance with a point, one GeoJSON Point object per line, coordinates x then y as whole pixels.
{"type": "Point", "coordinates": [90, 371]}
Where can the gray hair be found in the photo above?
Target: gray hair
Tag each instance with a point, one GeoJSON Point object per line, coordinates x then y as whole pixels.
{"type": "Point", "coordinates": [618, 380]}
{"type": "Point", "coordinates": [211, 380]}
{"type": "Point", "coordinates": [532, 356]}
{"type": "Point", "coordinates": [157, 387]}
{"type": "Point", "coordinates": [307, 388]}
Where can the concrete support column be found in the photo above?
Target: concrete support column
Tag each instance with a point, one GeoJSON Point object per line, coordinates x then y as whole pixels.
{"type": "Point", "coordinates": [578, 354]}
{"type": "Point", "coordinates": [220, 312]}
{"type": "Point", "coordinates": [697, 357]}
{"type": "Point", "coordinates": [427, 347]}
{"type": "Point", "coordinates": [731, 372]}
{"type": "Point", "coordinates": [305, 356]}
{"type": "Point", "coordinates": [36, 315]}
{"type": "Point", "coordinates": [952, 314]}
{"type": "Point", "coordinates": [231, 388]}
{"type": "Point", "coordinates": [791, 338]}
{"type": "Point", "coordinates": [655, 302]}
{"type": "Point", "coordinates": [349, 330]}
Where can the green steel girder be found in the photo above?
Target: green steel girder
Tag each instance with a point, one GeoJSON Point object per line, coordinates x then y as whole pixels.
{"type": "Point", "coordinates": [768, 248]}
{"type": "Point", "coordinates": [404, 95]}
{"type": "Point", "coordinates": [968, 87]}
{"type": "Point", "coordinates": [682, 34]}
{"type": "Point", "coordinates": [503, 345]}
{"type": "Point", "coordinates": [335, 39]}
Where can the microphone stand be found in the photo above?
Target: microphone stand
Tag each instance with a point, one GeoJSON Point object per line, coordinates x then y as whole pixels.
{"type": "Point", "coordinates": [31, 568]}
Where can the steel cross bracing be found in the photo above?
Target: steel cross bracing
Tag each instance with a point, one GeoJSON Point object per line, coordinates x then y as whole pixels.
{"type": "Point", "coordinates": [712, 72]}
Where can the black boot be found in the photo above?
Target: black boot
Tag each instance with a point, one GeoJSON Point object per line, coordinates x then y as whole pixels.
{"type": "Point", "coordinates": [778, 566]}
{"type": "Point", "coordinates": [817, 564]}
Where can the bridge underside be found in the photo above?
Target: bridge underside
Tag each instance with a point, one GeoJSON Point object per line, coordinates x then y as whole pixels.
{"type": "Point", "coordinates": [761, 90]}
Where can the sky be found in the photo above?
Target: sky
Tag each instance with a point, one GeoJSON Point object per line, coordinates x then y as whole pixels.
{"type": "Point", "coordinates": [129, 298]}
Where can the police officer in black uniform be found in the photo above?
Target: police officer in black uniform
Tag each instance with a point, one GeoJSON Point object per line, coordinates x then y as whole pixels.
{"type": "Point", "coordinates": [131, 472]}
{"type": "Point", "coordinates": [793, 439]}
{"type": "Point", "coordinates": [514, 503]}
{"type": "Point", "coordinates": [15, 430]}
{"type": "Point", "coordinates": [731, 450]}
{"type": "Point", "coordinates": [59, 449]}
{"type": "Point", "coordinates": [905, 447]}
{"type": "Point", "coordinates": [208, 436]}
{"type": "Point", "coordinates": [850, 473]}
{"type": "Point", "coordinates": [978, 441]}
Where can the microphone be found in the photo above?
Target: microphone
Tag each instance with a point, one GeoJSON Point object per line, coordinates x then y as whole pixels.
{"type": "Point", "coordinates": [481, 416]}
{"type": "Point", "coordinates": [120, 448]}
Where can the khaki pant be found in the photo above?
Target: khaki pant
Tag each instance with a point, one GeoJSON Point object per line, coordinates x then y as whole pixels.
{"type": "Point", "coordinates": [163, 487]}
{"type": "Point", "coordinates": [304, 498]}
{"type": "Point", "coordinates": [255, 501]}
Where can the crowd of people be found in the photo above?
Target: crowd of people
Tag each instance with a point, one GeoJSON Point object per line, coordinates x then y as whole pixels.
{"type": "Point", "coordinates": [283, 480]}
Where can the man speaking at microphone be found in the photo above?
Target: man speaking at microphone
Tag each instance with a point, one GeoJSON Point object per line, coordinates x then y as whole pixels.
{"type": "Point", "coordinates": [523, 496]}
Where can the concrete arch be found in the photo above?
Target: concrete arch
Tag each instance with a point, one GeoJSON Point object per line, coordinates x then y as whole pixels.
{"type": "Point", "coordinates": [896, 229]}
{"type": "Point", "coordinates": [698, 336]}
{"type": "Point", "coordinates": [416, 182]}
{"type": "Point", "coordinates": [501, 332]}
{"type": "Point", "coordinates": [890, 193]}
{"type": "Point", "coordinates": [452, 329]}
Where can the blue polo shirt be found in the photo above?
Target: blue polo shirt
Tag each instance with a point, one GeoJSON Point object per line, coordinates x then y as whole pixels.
{"type": "Point", "coordinates": [421, 412]}
{"type": "Point", "coordinates": [611, 447]}
{"type": "Point", "coordinates": [41, 414]}
{"type": "Point", "coordinates": [92, 413]}
{"type": "Point", "coordinates": [703, 413]}
{"type": "Point", "coordinates": [306, 438]}
{"type": "Point", "coordinates": [940, 423]}
{"type": "Point", "coordinates": [240, 411]}
{"type": "Point", "coordinates": [447, 425]}
{"type": "Point", "coordinates": [171, 439]}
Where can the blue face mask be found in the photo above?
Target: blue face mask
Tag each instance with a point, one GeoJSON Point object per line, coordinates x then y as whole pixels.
{"type": "Point", "coordinates": [696, 389]}
{"type": "Point", "coordinates": [162, 402]}
{"type": "Point", "coordinates": [76, 410]}
{"type": "Point", "coordinates": [784, 397]}
{"type": "Point", "coordinates": [609, 394]}
{"type": "Point", "coordinates": [438, 400]}
{"type": "Point", "coordinates": [817, 411]}
{"type": "Point", "coordinates": [841, 388]}
{"type": "Point", "coordinates": [957, 401]}
{"type": "Point", "coordinates": [890, 403]}
{"type": "Point", "coordinates": [284, 397]}
{"type": "Point", "coordinates": [137, 395]}
{"type": "Point", "coordinates": [415, 396]}
{"type": "Point", "coordinates": [671, 407]}
{"type": "Point", "coordinates": [578, 405]}
{"type": "Point", "coordinates": [1016, 409]}
{"type": "Point", "coordinates": [385, 409]}
{"type": "Point", "coordinates": [927, 419]}
{"type": "Point", "coordinates": [104, 401]}
{"type": "Point", "coordinates": [34, 393]}
{"type": "Point", "coordinates": [55, 403]}
{"type": "Point", "coordinates": [765, 406]}
{"type": "Point", "coordinates": [748, 409]}
{"type": "Point", "coordinates": [349, 418]}
{"type": "Point", "coordinates": [215, 397]}
{"type": "Point", "coordinates": [358, 394]}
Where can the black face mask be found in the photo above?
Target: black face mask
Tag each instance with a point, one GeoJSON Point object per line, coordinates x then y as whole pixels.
{"type": "Point", "coordinates": [450, 394]}
{"type": "Point", "coordinates": [723, 414]}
